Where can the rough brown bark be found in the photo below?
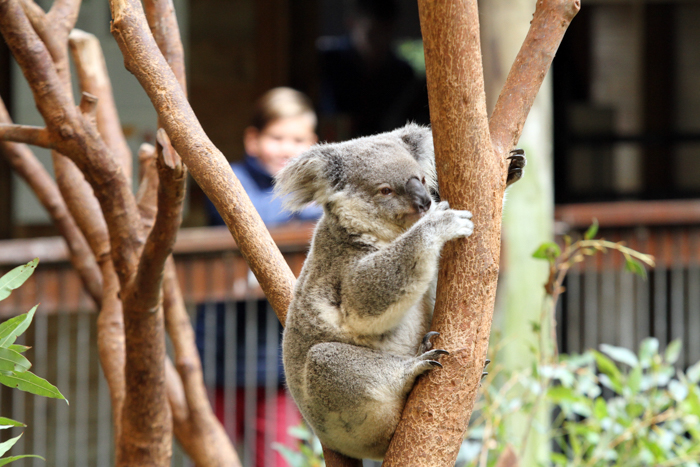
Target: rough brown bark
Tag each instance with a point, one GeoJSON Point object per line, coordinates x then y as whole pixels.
{"type": "Point", "coordinates": [472, 175]}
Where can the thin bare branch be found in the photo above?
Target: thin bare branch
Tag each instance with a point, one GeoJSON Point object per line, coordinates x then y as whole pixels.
{"type": "Point", "coordinates": [94, 78]}
{"type": "Point", "coordinates": [34, 135]}
{"type": "Point", "coordinates": [550, 21]}
{"type": "Point", "coordinates": [163, 23]}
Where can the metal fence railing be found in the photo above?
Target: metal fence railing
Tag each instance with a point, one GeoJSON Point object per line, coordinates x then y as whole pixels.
{"type": "Point", "coordinates": [238, 334]}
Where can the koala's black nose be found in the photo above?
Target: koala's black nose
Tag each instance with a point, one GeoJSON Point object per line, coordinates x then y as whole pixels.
{"type": "Point", "coordinates": [418, 194]}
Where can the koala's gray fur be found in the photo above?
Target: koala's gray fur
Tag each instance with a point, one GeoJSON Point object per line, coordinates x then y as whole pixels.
{"type": "Point", "coordinates": [354, 338]}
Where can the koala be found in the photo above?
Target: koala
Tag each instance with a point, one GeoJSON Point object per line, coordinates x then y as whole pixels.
{"type": "Point", "coordinates": [356, 335]}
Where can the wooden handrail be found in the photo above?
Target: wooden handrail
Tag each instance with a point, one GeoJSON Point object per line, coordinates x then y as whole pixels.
{"type": "Point", "coordinates": [289, 238]}
{"type": "Point", "coordinates": [630, 213]}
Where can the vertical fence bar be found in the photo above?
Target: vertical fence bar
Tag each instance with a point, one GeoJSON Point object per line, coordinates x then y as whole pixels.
{"type": "Point", "coordinates": [590, 306]}
{"type": "Point", "coordinates": [210, 344]}
{"type": "Point", "coordinates": [251, 383]}
{"type": "Point", "coordinates": [693, 289]}
{"type": "Point", "coordinates": [40, 403]}
{"type": "Point", "coordinates": [661, 293]}
{"type": "Point", "coordinates": [573, 311]}
{"type": "Point", "coordinates": [104, 422]}
{"type": "Point", "coordinates": [63, 369]}
{"type": "Point", "coordinates": [230, 369]}
{"type": "Point", "coordinates": [271, 384]}
{"type": "Point", "coordinates": [626, 327]}
{"type": "Point", "coordinates": [607, 311]}
{"type": "Point", "coordinates": [677, 295]}
{"type": "Point", "coordinates": [82, 389]}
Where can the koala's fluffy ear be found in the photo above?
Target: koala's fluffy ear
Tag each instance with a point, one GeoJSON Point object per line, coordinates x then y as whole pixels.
{"type": "Point", "coordinates": [419, 141]}
{"type": "Point", "coordinates": [306, 178]}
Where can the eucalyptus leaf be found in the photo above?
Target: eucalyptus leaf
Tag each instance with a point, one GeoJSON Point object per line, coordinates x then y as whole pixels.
{"type": "Point", "coordinates": [16, 277]}
{"type": "Point", "coordinates": [11, 360]}
{"type": "Point", "coordinates": [4, 447]}
{"type": "Point", "coordinates": [648, 348]}
{"type": "Point", "coordinates": [635, 267]}
{"type": "Point", "coordinates": [19, 348]}
{"type": "Point", "coordinates": [29, 382]}
{"type": "Point", "coordinates": [673, 351]}
{"type": "Point", "coordinates": [620, 354]}
{"type": "Point", "coordinates": [592, 230]}
{"type": "Point", "coordinates": [7, 460]}
{"type": "Point", "coordinates": [693, 373]}
{"type": "Point", "coordinates": [548, 250]}
{"type": "Point", "coordinates": [9, 423]}
{"type": "Point", "coordinates": [13, 327]}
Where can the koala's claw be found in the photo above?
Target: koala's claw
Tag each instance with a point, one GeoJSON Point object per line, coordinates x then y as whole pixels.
{"type": "Point", "coordinates": [435, 363]}
{"type": "Point", "coordinates": [517, 164]}
{"type": "Point", "coordinates": [427, 343]}
{"type": "Point", "coordinates": [485, 373]}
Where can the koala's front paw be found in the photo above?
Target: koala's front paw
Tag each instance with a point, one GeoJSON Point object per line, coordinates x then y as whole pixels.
{"type": "Point", "coordinates": [516, 166]}
{"type": "Point", "coordinates": [450, 223]}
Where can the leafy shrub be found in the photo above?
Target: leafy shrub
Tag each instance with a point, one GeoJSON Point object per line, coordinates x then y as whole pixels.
{"type": "Point", "coordinates": [14, 367]}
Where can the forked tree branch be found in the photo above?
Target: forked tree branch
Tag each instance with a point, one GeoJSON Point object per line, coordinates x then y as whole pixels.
{"type": "Point", "coordinates": [472, 174]}
{"type": "Point", "coordinates": [549, 23]}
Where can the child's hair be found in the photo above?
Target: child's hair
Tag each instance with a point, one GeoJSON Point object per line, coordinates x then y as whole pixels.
{"type": "Point", "coordinates": [280, 103]}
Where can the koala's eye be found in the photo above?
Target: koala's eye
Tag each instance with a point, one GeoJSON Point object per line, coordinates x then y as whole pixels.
{"type": "Point", "coordinates": [386, 191]}
{"type": "Point", "coordinates": [422, 180]}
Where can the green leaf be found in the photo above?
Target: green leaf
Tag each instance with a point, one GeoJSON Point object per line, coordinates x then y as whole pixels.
{"type": "Point", "coordinates": [648, 348]}
{"type": "Point", "coordinates": [673, 351]}
{"type": "Point", "coordinates": [4, 447]}
{"type": "Point", "coordinates": [13, 327]}
{"type": "Point", "coordinates": [600, 408]}
{"type": "Point", "coordinates": [620, 354]}
{"type": "Point", "coordinates": [9, 423]}
{"type": "Point", "coordinates": [548, 250]}
{"type": "Point", "coordinates": [7, 460]}
{"type": "Point", "coordinates": [19, 348]}
{"type": "Point", "coordinates": [16, 277]}
{"type": "Point", "coordinates": [635, 267]}
{"type": "Point", "coordinates": [608, 368]}
{"type": "Point", "coordinates": [634, 381]}
{"type": "Point", "coordinates": [13, 361]}
{"type": "Point", "coordinates": [693, 373]}
{"type": "Point", "coordinates": [592, 230]}
{"type": "Point", "coordinates": [29, 382]}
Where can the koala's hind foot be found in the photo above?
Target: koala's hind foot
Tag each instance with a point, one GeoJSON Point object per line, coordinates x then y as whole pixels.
{"type": "Point", "coordinates": [516, 166]}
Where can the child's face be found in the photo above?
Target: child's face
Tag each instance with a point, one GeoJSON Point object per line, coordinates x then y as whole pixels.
{"type": "Point", "coordinates": [280, 141]}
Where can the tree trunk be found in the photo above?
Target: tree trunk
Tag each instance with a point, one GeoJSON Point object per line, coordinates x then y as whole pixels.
{"type": "Point", "coordinates": [471, 161]}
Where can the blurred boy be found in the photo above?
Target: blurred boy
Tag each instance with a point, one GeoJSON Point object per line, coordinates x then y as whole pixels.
{"type": "Point", "coordinates": [283, 126]}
